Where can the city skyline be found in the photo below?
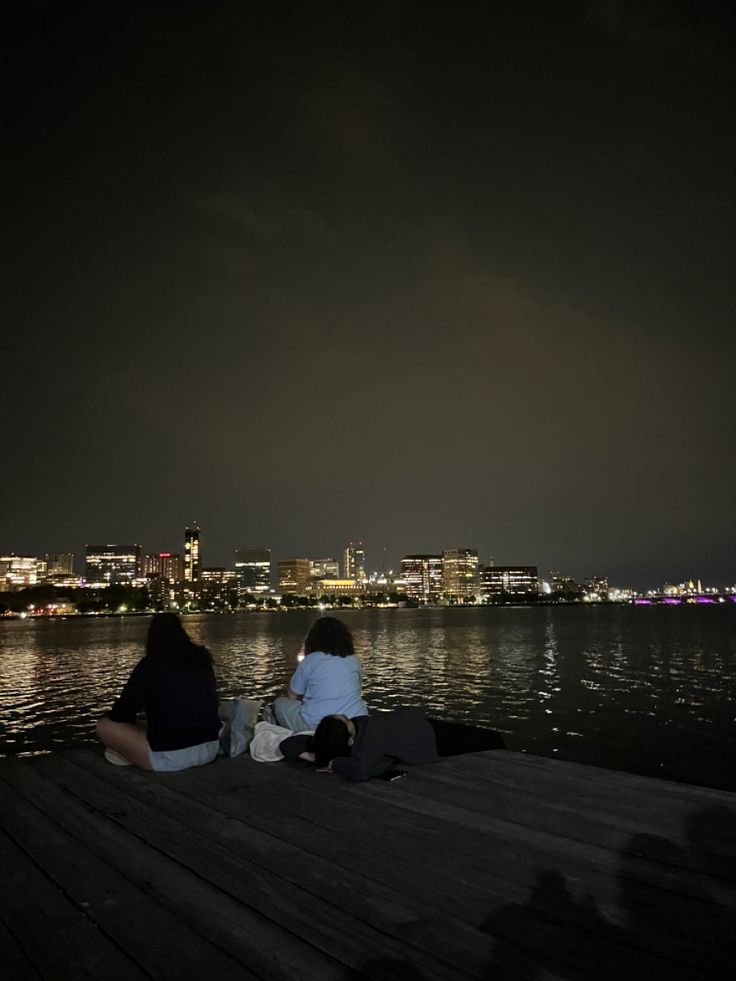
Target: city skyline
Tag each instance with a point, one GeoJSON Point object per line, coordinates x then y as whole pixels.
{"type": "Point", "coordinates": [431, 274]}
{"type": "Point", "coordinates": [261, 556]}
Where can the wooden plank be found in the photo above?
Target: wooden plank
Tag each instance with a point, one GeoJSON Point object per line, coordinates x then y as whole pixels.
{"type": "Point", "coordinates": [149, 934]}
{"type": "Point", "coordinates": [652, 890]}
{"type": "Point", "coordinates": [259, 869]}
{"type": "Point", "coordinates": [195, 908]}
{"type": "Point", "coordinates": [626, 871]}
{"type": "Point", "coordinates": [422, 880]}
{"type": "Point", "coordinates": [638, 800]}
{"type": "Point", "coordinates": [559, 816]}
{"type": "Point", "coordinates": [382, 808]}
{"type": "Point", "coordinates": [16, 965]}
{"type": "Point", "coordinates": [601, 777]}
{"type": "Point", "coordinates": [53, 931]}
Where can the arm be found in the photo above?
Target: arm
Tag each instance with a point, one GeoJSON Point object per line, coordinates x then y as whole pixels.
{"type": "Point", "coordinates": [134, 696]}
{"type": "Point", "coordinates": [357, 769]}
{"type": "Point", "coordinates": [298, 748]}
{"type": "Point", "coordinates": [298, 683]}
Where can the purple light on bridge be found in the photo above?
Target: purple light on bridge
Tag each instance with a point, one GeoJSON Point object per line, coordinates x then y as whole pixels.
{"type": "Point", "coordinates": [704, 599]}
{"type": "Point", "coordinates": [672, 601]}
{"type": "Point", "coordinates": [642, 602]}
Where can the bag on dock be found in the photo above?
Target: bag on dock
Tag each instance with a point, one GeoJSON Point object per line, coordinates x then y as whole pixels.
{"type": "Point", "coordinates": [238, 718]}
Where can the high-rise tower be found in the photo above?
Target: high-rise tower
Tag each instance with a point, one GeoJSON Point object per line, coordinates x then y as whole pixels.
{"type": "Point", "coordinates": [355, 562]}
{"type": "Point", "coordinates": [192, 563]}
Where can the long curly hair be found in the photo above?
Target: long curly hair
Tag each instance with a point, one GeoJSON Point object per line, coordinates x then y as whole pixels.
{"type": "Point", "coordinates": [168, 640]}
{"type": "Point", "coordinates": [331, 636]}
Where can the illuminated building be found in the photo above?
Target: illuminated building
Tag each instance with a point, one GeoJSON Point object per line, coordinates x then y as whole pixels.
{"type": "Point", "coordinates": [595, 589]}
{"type": "Point", "coordinates": [509, 582]}
{"type": "Point", "coordinates": [422, 575]}
{"type": "Point", "coordinates": [164, 572]}
{"type": "Point", "coordinates": [252, 570]}
{"type": "Point", "coordinates": [191, 561]}
{"type": "Point", "coordinates": [460, 579]}
{"type": "Point", "coordinates": [152, 565]}
{"type": "Point", "coordinates": [60, 566]}
{"type": "Point", "coordinates": [324, 569]}
{"type": "Point", "coordinates": [293, 575]}
{"type": "Point", "coordinates": [18, 571]}
{"type": "Point", "coordinates": [339, 587]}
{"type": "Point", "coordinates": [112, 564]}
{"type": "Point", "coordinates": [565, 587]}
{"type": "Point", "coordinates": [217, 587]}
{"type": "Point", "coordinates": [354, 567]}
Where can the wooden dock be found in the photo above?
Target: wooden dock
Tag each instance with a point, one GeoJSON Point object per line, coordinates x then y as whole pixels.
{"type": "Point", "coordinates": [498, 865]}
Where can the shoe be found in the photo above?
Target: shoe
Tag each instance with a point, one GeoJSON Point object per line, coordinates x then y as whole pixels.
{"type": "Point", "coordinates": [115, 758]}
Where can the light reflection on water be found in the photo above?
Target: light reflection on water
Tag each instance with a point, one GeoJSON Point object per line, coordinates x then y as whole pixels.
{"type": "Point", "coordinates": [645, 689]}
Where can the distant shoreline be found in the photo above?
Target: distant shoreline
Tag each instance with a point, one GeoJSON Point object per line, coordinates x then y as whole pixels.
{"type": "Point", "coordinates": [715, 601]}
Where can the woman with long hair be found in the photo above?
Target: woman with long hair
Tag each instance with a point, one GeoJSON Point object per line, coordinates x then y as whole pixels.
{"type": "Point", "coordinates": [174, 686]}
{"type": "Point", "coordinates": [328, 676]}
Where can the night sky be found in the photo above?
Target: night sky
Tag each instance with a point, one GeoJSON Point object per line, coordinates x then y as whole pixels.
{"type": "Point", "coordinates": [425, 275]}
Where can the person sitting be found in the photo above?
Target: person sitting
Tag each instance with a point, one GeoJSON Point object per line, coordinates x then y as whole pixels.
{"type": "Point", "coordinates": [371, 746]}
{"type": "Point", "coordinates": [174, 685]}
{"type": "Point", "coordinates": [327, 681]}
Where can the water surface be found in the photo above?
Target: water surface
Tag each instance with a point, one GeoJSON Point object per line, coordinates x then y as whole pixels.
{"type": "Point", "coordinates": [650, 690]}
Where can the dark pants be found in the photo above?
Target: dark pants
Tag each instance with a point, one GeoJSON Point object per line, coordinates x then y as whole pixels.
{"type": "Point", "coordinates": [454, 738]}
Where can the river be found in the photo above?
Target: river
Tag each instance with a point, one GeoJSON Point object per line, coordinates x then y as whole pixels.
{"type": "Point", "coordinates": [650, 690]}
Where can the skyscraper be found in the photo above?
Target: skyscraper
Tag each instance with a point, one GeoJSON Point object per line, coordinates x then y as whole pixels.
{"type": "Point", "coordinates": [192, 564]}
{"type": "Point", "coordinates": [355, 562]}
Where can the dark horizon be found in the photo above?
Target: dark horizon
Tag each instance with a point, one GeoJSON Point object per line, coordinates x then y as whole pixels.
{"type": "Point", "coordinates": [417, 274]}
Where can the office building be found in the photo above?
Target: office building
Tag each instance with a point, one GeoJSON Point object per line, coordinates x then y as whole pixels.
{"type": "Point", "coordinates": [324, 568]}
{"type": "Point", "coordinates": [499, 582]}
{"type": "Point", "coordinates": [354, 563]}
{"type": "Point", "coordinates": [192, 561]}
{"type": "Point", "coordinates": [293, 576]}
{"type": "Point", "coordinates": [217, 587]}
{"type": "Point", "coordinates": [422, 576]}
{"type": "Point", "coordinates": [164, 573]}
{"type": "Point", "coordinates": [18, 571]}
{"type": "Point", "coordinates": [60, 565]}
{"type": "Point", "coordinates": [112, 564]}
{"type": "Point", "coordinates": [460, 573]}
{"type": "Point", "coordinates": [165, 565]}
{"type": "Point", "coordinates": [252, 570]}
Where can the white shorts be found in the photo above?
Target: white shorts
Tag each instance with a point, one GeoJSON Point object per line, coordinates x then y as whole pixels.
{"type": "Point", "coordinates": [167, 761]}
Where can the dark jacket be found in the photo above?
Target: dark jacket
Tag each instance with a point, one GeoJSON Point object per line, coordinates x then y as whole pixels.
{"type": "Point", "coordinates": [381, 741]}
{"type": "Point", "coordinates": [180, 707]}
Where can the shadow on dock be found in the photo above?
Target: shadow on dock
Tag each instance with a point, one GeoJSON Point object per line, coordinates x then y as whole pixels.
{"type": "Point", "coordinates": [492, 866]}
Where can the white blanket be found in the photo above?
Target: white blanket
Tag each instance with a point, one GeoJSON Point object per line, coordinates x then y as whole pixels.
{"type": "Point", "coordinates": [264, 746]}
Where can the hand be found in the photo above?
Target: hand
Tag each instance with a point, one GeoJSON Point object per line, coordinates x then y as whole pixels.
{"type": "Point", "coordinates": [307, 756]}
